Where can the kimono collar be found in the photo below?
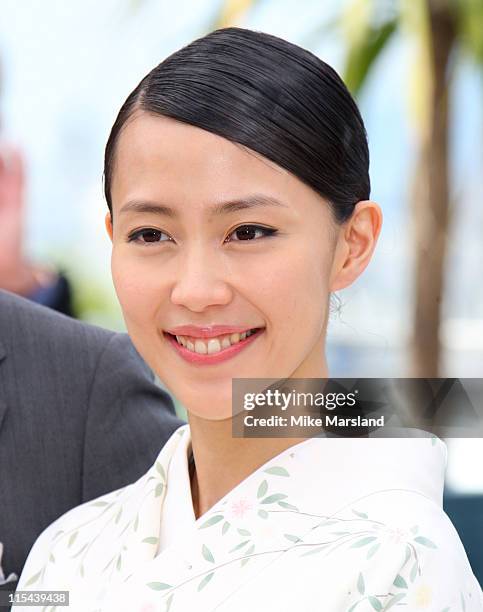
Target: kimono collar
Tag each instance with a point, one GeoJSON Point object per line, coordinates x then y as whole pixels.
{"type": "Point", "coordinates": [335, 471]}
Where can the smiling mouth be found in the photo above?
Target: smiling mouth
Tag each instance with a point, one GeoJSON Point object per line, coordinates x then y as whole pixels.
{"type": "Point", "coordinates": [211, 346]}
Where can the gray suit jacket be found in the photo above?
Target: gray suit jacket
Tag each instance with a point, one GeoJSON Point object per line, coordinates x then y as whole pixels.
{"type": "Point", "coordinates": [80, 416]}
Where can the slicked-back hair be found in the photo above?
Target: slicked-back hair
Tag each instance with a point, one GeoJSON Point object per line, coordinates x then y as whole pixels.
{"type": "Point", "coordinates": [269, 95]}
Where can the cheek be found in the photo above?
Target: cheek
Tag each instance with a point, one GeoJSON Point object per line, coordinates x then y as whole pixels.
{"type": "Point", "coordinates": [296, 290]}
{"type": "Point", "coordinates": [138, 288]}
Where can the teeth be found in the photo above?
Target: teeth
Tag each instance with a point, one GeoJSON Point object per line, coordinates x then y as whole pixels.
{"type": "Point", "coordinates": [200, 347]}
{"type": "Point", "coordinates": [212, 345]}
{"type": "Point", "coordinates": [225, 343]}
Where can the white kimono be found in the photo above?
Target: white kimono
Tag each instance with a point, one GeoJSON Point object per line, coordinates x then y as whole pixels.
{"type": "Point", "coordinates": [328, 525]}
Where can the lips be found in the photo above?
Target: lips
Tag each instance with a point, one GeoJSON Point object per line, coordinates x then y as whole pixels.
{"type": "Point", "coordinates": [210, 346]}
{"type": "Point", "coordinates": [207, 331]}
{"type": "Point", "coordinates": [206, 348]}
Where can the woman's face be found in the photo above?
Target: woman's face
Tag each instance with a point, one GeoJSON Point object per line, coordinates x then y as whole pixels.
{"type": "Point", "coordinates": [207, 233]}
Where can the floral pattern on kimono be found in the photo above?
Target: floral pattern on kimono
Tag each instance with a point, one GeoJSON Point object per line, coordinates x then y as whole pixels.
{"type": "Point", "coordinates": [350, 525]}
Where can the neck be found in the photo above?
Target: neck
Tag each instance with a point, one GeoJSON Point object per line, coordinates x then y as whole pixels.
{"type": "Point", "coordinates": [222, 461]}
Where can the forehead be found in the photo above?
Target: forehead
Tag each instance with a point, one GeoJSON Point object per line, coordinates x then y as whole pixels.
{"type": "Point", "coordinates": [159, 156]}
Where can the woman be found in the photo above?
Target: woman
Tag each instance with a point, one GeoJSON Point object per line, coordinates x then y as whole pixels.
{"type": "Point", "coordinates": [236, 176]}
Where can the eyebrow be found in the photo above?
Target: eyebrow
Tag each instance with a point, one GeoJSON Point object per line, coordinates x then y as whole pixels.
{"type": "Point", "coordinates": [252, 201]}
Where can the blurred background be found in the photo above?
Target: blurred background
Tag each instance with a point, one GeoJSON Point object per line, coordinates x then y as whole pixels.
{"type": "Point", "coordinates": [416, 69]}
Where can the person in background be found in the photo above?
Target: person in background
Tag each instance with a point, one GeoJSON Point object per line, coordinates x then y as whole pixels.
{"type": "Point", "coordinates": [17, 274]}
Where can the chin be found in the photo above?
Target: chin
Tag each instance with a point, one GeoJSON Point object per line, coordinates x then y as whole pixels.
{"type": "Point", "coordinates": [208, 404]}
{"type": "Point", "coordinates": [211, 415]}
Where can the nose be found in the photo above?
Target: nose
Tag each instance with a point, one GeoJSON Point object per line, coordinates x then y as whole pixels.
{"type": "Point", "coordinates": [201, 281]}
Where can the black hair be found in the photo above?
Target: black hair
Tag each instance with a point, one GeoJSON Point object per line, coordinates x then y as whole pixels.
{"type": "Point", "coordinates": [269, 95]}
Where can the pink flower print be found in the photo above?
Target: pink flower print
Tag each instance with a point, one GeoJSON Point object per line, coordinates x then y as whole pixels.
{"type": "Point", "coordinates": [148, 607]}
{"type": "Point", "coordinates": [240, 507]}
{"type": "Point", "coordinates": [396, 535]}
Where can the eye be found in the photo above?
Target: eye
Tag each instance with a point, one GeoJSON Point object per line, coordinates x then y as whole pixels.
{"type": "Point", "coordinates": [148, 235]}
{"type": "Point", "coordinates": [249, 232]}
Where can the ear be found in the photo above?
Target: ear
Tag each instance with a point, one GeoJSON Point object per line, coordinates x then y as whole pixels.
{"type": "Point", "coordinates": [356, 244]}
{"type": "Point", "coordinates": [108, 222]}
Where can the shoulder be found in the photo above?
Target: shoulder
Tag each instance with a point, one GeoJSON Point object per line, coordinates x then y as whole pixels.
{"type": "Point", "coordinates": [72, 531]}
{"type": "Point", "coordinates": [46, 328]}
{"type": "Point", "coordinates": [121, 356]}
{"type": "Point", "coordinates": [86, 539]}
{"type": "Point", "coordinates": [391, 548]}
{"type": "Point", "coordinates": [408, 538]}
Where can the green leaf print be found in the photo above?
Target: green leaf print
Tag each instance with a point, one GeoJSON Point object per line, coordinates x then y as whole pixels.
{"type": "Point", "coordinates": [372, 551]}
{"type": "Point", "coordinates": [273, 498]}
{"type": "Point", "coordinates": [238, 546]}
{"type": "Point", "coordinates": [244, 532]}
{"type": "Point", "coordinates": [205, 581]}
{"type": "Point", "coordinates": [160, 470]}
{"type": "Point", "coordinates": [277, 471]}
{"type": "Point", "coordinates": [361, 587]}
{"type": "Point", "coordinates": [247, 552]}
{"type": "Point", "coordinates": [34, 578]}
{"type": "Point", "coordinates": [292, 538]}
{"type": "Point", "coordinates": [206, 552]}
{"type": "Point", "coordinates": [362, 515]}
{"type": "Point", "coordinates": [262, 489]}
{"type": "Point", "coordinates": [212, 521]}
{"type": "Point", "coordinates": [151, 540]}
{"type": "Point", "coordinates": [425, 542]}
{"type": "Point", "coordinates": [226, 526]}
{"type": "Point", "coordinates": [400, 582]}
{"type": "Point", "coordinates": [287, 506]}
{"type": "Point", "coordinates": [72, 539]}
{"type": "Point", "coordinates": [159, 586]}
{"type": "Point", "coordinates": [159, 489]}
{"type": "Point", "coordinates": [118, 515]}
{"type": "Point", "coordinates": [263, 514]}
{"type": "Point", "coordinates": [414, 572]}
{"type": "Point", "coordinates": [408, 554]}
{"type": "Point", "coordinates": [375, 603]}
{"type": "Point", "coordinates": [363, 542]}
